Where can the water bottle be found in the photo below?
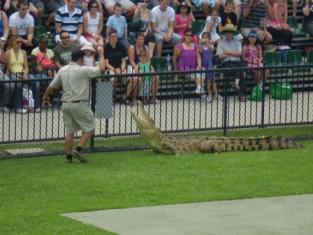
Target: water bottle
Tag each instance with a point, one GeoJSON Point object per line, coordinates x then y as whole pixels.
{"type": "Point", "coordinates": [168, 61]}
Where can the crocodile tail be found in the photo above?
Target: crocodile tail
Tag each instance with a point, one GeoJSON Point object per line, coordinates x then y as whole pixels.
{"type": "Point", "coordinates": [143, 120]}
{"type": "Point", "coordinates": [273, 143]}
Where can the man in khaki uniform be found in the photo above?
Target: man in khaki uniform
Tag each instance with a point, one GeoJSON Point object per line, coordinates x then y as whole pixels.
{"type": "Point", "coordinates": [77, 115]}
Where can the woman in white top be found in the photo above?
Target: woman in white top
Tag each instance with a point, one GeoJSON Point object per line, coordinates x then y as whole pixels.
{"type": "Point", "coordinates": [93, 24]}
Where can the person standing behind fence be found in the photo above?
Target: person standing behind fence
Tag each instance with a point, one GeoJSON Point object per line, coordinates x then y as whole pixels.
{"type": "Point", "coordinates": [187, 58]}
{"type": "Point", "coordinates": [77, 115]}
{"type": "Point", "coordinates": [17, 68]}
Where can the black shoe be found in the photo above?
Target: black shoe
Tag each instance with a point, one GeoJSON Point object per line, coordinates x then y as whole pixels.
{"type": "Point", "coordinates": [79, 156]}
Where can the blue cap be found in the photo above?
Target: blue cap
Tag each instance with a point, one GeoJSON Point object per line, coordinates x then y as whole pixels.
{"type": "Point", "coordinates": [253, 33]}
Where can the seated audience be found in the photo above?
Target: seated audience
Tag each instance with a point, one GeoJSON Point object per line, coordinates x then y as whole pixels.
{"type": "Point", "coordinates": [162, 24]}
{"type": "Point", "coordinates": [90, 55]}
{"type": "Point", "coordinates": [4, 26]}
{"type": "Point", "coordinates": [183, 20]}
{"type": "Point", "coordinates": [118, 22]}
{"type": "Point", "coordinates": [308, 17]}
{"type": "Point", "coordinates": [127, 6]}
{"type": "Point", "coordinates": [213, 21]}
{"type": "Point", "coordinates": [187, 58]}
{"type": "Point", "coordinates": [229, 51]}
{"type": "Point", "coordinates": [228, 16]}
{"type": "Point", "coordinates": [254, 13]}
{"type": "Point", "coordinates": [277, 25]}
{"type": "Point", "coordinates": [43, 66]}
{"type": "Point", "coordinates": [63, 51]}
{"type": "Point", "coordinates": [93, 24]}
{"type": "Point", "coordinates": [22, 24]}
{"type": "Point", "coordinates": [143, 14]}
{"type": "Point", "coordinates": [70, 18]}
{"type": "Point", "coordinates": [207, 5]}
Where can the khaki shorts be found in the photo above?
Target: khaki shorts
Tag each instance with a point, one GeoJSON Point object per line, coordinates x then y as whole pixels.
{"type": "Point", "coordinates": [78, 116]}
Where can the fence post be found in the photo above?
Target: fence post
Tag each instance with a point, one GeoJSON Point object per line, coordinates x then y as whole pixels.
{"type": "Point", "coordinates": [225, 102]}
{"type": "Point", "coordinates": [93, 108]}
{"type": "Point", "coordinates": [263, 97]}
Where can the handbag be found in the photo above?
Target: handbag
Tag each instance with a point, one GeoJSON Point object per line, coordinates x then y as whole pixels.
{"type": "Point", "coordinates": [44, 61]}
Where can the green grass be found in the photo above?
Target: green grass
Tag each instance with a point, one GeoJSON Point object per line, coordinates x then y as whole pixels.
{"type": "Point", "coordinates": [35, 192]}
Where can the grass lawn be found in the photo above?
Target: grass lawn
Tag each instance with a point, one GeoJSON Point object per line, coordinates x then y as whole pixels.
{"type": "Point", "coordinates": [34, 192]}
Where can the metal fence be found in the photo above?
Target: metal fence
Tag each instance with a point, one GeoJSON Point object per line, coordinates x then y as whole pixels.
{"type": "Point", "coordinates": [280, 103]}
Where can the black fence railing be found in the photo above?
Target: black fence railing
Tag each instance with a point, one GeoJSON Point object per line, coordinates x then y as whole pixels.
{"type": "Point", "coordinates": [258, 101]}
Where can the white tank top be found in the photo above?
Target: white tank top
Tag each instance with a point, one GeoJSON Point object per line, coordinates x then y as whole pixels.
{"type": "Point", "coordinates": [89, 61]}
{"type": "Point", "coordinates": [93, 23]}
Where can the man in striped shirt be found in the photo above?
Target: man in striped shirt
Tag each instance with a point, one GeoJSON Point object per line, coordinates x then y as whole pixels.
{"type": "Point", "coordinates": [70, 18]}
{"type": "Point", "coordinates": [254, 13]}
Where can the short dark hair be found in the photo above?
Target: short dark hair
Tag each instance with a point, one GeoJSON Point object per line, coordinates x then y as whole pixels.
{"type": "Point", "coordinates": [117, 5]}
{"type": "Point", "coordinates": [21, 2]}
{"type": "Point", "coordinates": [229, 2]}
{"type": "Point", "coordinates": [90, 3]}
{"type": "Point", "coordinates": [62, 32]}
{"type": "Point", "coordinates": [112, 30]}
{"type": "Point", "coordinates": [77, 54]}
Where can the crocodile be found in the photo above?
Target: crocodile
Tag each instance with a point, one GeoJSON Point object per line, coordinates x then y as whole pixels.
{"type": "Point", "coordinates": [163, 143]}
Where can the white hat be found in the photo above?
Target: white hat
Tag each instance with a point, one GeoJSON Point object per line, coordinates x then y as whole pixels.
{"type": "Point", "coordinates": [88, 46]}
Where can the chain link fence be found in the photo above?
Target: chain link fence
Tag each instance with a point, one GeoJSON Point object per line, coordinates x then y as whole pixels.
{"type": "Point", "coordinates": [278, 102]}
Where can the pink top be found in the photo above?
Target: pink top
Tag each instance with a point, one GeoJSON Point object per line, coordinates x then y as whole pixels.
{"type": "Point", "coordinates": [253, 55]}
{"type": "Point", "coordinates": [179, 20]}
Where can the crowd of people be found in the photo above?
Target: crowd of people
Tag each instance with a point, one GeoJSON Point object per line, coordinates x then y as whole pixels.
{"type": "Point", "coordinates": [237, 31]}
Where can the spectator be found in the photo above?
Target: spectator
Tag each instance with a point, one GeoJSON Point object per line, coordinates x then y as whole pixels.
{"type": "Point", "coordinates": [183, 20]}
{"type": "Point", "coordinates": [254, 13]}
{"type": "Point", "coordinates": [43, 66]}
{"type": "Point", "coordinates": [207, 5]}
{"type": "Point", "coordinates": [278, 26]}
{"type": "Point", "coordinates": [162, 23]}
{"type": "Point", "coordinates": [63, 51]}
{"type": "Point", "coordinates": [22, 24]}
{"type": "Point", "coordinates": [118, 22]}
{"type": "Point", "coordinates": [212, 23]}
{"type": "Point", "coordinates": [229, 51]}
{"type": "Point", "coordinates": [4, 26]}
{"type": "Point", "coordinates": [115, 59]}
{"type": "Point", "coordinates": [70, 18]}
{"type": "Point", "coordinates": [89, 59]}
{"type": "Point", "coordinates": [37, 7]}
{"type": "Point", "coordinates": [5, 87]}
{"type": "Point", "coordinates": [236, 7]}
{"type": "Point", "coordinates": [93, 24]}
{"type": "Point", "coordinates": [134, 53]}
{"type": "Point", "coordinates": [17, 68]}
{"type": "Point", "coordinates": [127, 7]}
{"type": "Point", "coordinates": [252, 55]}
{"type": "Point", "coordinates": [228, 16]}
{"type": "Point", "coordinates": [143, 14]}
{"type": "Point", "coordinates": [187, 58]}
{"type": "Point", "coordinates": [206, 52]}
{"type": "Point", "coordinates": [308, 17]}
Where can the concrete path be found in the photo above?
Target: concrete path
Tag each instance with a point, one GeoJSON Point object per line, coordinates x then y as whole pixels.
{"type": "Point", "coordinates": [287, 215]}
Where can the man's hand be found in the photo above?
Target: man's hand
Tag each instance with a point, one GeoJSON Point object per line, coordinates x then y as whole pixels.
{"type": "Point", "coordinates": [100, 50]}
{"type": "Point", "coordinates": [27, 43]}
{"type": "Point", "coordinates": [46, 103]}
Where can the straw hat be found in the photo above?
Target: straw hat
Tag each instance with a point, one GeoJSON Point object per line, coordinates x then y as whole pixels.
{"type": "Point", "coordinates": [229, 28]}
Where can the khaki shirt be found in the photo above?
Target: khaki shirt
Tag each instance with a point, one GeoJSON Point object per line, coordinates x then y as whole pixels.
{"type": "Point", "coordinates": [75, 81]}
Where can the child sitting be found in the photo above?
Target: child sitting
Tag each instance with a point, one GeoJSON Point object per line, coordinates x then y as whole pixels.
{"type": "Point", "coordinates": [212, 23]}
{"type": "Point", "coordinates": [89, 58]}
